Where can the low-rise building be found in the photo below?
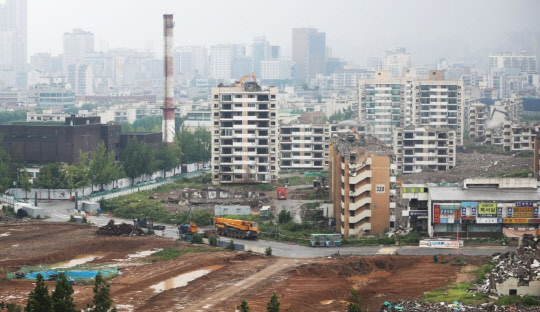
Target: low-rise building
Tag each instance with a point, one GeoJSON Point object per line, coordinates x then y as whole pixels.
{"type": "Point", "coordinates": [424, 148]}
{"type": "Point", "coordinates": [362, 182]}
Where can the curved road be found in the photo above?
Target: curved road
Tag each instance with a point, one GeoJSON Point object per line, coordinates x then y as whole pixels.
{"type": "Point", "coordinates": [61, 210]}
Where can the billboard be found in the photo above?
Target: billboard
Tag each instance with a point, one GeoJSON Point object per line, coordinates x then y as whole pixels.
{"type": "Point", "coordinates": [516, 220]}
{"type": "Point", "coordinates": [441, 244]}
{"type": "Point", "coordinates": [487, 210]}
{"type": "Point", "coordinates": [523, 212]}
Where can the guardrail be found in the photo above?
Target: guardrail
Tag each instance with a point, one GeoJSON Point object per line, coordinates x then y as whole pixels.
{"type": "Point", "coordinates": [142, 186]}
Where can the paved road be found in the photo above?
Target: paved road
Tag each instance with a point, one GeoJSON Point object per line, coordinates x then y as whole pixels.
{"type": "Point", "coordinates": [61, 210]}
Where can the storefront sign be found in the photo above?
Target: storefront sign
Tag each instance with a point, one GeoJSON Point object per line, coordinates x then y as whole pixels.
{"type": "Point", "coordinates": [486, 210]}
{"type": "Point", "coordinates": [524, 204]}
{"type": "Point", "coordinates": [509, 212]}
{"type": "Point", "coordinates": [535, 212]}
{"type": "Point", "coordinates": [463, 211]}
{"type": "Point", "coordinates": [468, 218]}
{"type": "Point", "coordinates": [441, 244]}
{"type": "Point", "coordinates": [489, 220]}
{"type": "Point", "coordinates": [516, 220]}
{"type": "Point", "coordinates": [534, 220]}
{"type": "Point", "coordinates": [436, 214]}
{"type": "Point", "coordinates": [499, 211]}
{"type": "Point", "coordinates": [417, 213]}
{"type": "Point", "coordinates": [523, 212]}
{"type": "Point", "coordinates": [469, 204]}
{"type": "Point", "coordinates": [473, 211]}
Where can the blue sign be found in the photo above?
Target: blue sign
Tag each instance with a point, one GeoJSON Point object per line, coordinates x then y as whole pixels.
{"type": "Point", "coordinates": [535, 212]}
{"type": "Point", "coordinates": [469, 204]}
{"type": "Point", "coordinates": [473, 211]}
{"type": "Point", "coordinates": [444, 220]}
{"type": "Point", "coordinates": [524, 204]}
{"type": "Point", "coordinates": [463, 211]}
{"type": "Point", "coordinates": [499, 212]}
{"type": "Point", "coordinates": [510, 210]}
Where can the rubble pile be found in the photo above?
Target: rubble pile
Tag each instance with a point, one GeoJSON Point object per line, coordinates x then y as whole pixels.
{"type": "Point", "coordinates": [123, 229]}
{"type": "Point", "coordinates": [416, 306]}
{"type": "Point", "coordinates": [522, 264]}
{"type": "Point", "coordinates": [5, 219]}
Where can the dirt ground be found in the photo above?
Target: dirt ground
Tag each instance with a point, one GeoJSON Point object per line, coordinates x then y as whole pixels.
{"type": "Point", "coordinates": [319, 284]}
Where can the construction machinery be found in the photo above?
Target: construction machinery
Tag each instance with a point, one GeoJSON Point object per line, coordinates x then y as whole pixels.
{"type": "Point", "coordinates": [241, 82]}
{"type": "Point", "coordinates": [281, 192]}
{"type": "Point", "coordinates": [236, 228]}
{"type": "Point", "coordinates": [143, 224]}
{"type": "Point", "coordinates": [188, 229]}
{"type": "Point", "coordinates": [352, 135]}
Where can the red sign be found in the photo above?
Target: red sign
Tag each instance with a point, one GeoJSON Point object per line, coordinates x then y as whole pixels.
{"type": "Point", "coordinates": [534, 220]}
{"type": "Point", "coordinates": [436, 214]}
{"type": "Point", "coordinates": [468, 217]}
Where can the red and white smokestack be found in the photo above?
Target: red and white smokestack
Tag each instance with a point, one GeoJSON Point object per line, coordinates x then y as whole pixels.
{"type": "Point", "coordinates": [168, 100]}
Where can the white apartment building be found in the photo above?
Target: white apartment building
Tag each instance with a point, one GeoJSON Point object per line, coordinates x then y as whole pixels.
{"type": "Point", "coordinates": [519, 137]}
{"type": "Point", "coordinates": [349, 79]}
{"type": "Point", "coordinates": [77, 45]}
{"type": "Point", "coordinates": [221, 59]}
{"type": "Point", "coordinates": [424, 148]}
{"type": "Point", "coordinates": [276, 70]}
{"type": "Point", "coordinates": [304, 146]}
{"type": "Point", "coordinates": [245, 134]}
{"type": "Point", "coordinates": [189, 60]}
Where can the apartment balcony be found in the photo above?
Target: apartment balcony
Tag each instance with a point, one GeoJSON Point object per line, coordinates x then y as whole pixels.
{"type": "Point", "coordinates": [360, 177]}
{"type": "Point", "coordinates": [244, 162]}
{"type": "Point", "coordinates": [244, 144]}
{"type": "Point", "coordinates": [359, 165]}
{"type": "Point", "coordinates": [302, 149]}
{"type": "Point", "coordinates": [360, 203]}
{"type": "Point", "coordinates": [301, 141]}
{"type": "Point", "coordinates": [244, 117]}
{"type": "Point", "coordinates": [358, 218]}
{"type": "Point", "coordinates": [245, 126]}
{"type": "Point", "coordinates": [392, 205]}
{"type": "Point", "coordinates": [244, 100]}
{"type": "Point", "coordinates": [360, 190]}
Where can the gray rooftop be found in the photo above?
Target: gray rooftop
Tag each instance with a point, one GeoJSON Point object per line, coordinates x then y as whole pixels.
{"type": "Point", "coordinates": [482, 194]}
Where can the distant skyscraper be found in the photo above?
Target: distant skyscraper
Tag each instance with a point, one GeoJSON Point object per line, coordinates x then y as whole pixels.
{"type": "Point", "coordinates": [308, 53]}
{"type": "Point", "coordinates": [221, 57]}
{"type": "Point", "coordinates": [13, 38]}
{"type": "Point", "coordinates": [189, 60]}
{"type": "Point", "coordinates": [77, 45]}
{"type": "Point", "coordinates": [261, 52]}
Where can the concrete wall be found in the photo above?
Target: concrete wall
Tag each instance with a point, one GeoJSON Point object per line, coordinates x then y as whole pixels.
{"type": "Point", "coordinates": [512, 283]}
{"type": "Point", "coordinates": [503, 182]}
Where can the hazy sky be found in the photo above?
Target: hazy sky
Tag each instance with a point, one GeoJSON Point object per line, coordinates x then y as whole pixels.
{"type": "Point", "coordinates": [354, 30]}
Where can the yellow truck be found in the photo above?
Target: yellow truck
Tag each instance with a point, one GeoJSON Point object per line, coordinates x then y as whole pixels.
{"type": "Point", "coordinates": [236, 228]}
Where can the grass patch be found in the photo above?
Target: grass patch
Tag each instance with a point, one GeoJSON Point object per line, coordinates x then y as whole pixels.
{"type": "Point", "coordinates": [513, 174]}
{"type": "Point", "coordinates": [173, 253]}
{"type": "Point", "coordinates": [486, 149]}
{"type": "Point", "coordinates": [484, 270]}
{"type": "Point", "coordinates": [455, 292]}
{"type": "Point", "coordinates": [295, 180]}
{"type": "Point", "coordinates": [527, 301]}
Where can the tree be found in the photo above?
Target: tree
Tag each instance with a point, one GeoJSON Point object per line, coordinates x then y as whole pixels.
{"type": "Point", "coordinates": [284, 216]}
{"type": "Point", "coordinates": [195, 146]}
{"type": "Point", "coordinates": [103, 168]}
{"type": "Point", "coordinates": [39, 299]}
{"type": "Point", "coordinates": [62, 296]}
{"type": "Point", "coordinates": [102, 297]}
{"type": "Point", "coordinates": [10, 307]}
{"type": "Point", "coordinates": [168, 157]}
{"type": "Point", "coordinates": [273, 305]}
{"type": "Point", "coordinates": [6, 178]}
{"type": "Point", "coordinates": [243, 307]}
{"type": "Point", "coordinates": [354, 305]}
{"type": "Point", "coordinates": [49, 177]}
{"type": "Point", "coordinates": [130, 159]}
{"type": "Point", "coordinates": [25, 183]}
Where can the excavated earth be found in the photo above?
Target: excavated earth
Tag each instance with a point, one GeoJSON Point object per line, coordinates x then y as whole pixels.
{"type": "Point", "coordinates": [318, 284]}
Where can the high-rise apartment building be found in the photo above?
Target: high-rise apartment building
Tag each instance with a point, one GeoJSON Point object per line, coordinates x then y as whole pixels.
{"type": "Point", "coordinates": [77, 45]}
{"type": "Point", "coordinates": [221, 57]}
{"type": "Point", "coordinates": [527, 64]}
{"type": "Point", "coordinates": [476, 115]}
{"type": "Point", "coordinates": [245, 134]}
{"type": "Point", "coordinates": [13, 41]}
{"type": "Point", "coordinates": [388, 102]}
{"type": "Point", "coordinates": [308, 53]}
{"type": "Point", "coordinates": [396, 61]}
{"type": "Point", "coordinates": [190, 60]}
{"type": "Point", "coordinates": [262, 51]}
{"type": "Point", "coordinates": [302, 146]}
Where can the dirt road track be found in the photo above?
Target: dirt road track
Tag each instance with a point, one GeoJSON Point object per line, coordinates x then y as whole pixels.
{"type": "Point", "coordinates": [206, 303]}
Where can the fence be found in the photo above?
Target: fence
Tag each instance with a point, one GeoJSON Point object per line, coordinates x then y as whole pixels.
{"type": "Point", "coordinates": [9, 199]}
{"type": "Point", "coordinates": [142, 186]}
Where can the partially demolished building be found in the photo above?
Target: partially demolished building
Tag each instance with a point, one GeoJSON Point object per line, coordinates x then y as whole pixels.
{"type": "Point", "coordinates": [362, 184]}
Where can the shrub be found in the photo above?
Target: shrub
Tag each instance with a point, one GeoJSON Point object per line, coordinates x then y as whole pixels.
{"type": "Point", "coordinates": [196, 239]}
{"type": "Point", "coordinates": [284, 216]}
{"type": "Point", "coordinates": [268, 251]}
{"type": "Point", "coordinates": [212, 240]}
{"type": "Point", "coordinates": [71, 218]}
{"type": "Point", "coordinates": [84, 219]}
{"type": "Point", "coordinates": [230, 245]}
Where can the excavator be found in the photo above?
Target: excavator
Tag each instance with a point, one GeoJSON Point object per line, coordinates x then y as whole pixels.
{"type": "Point", "coordinates": [188, 229]}
{"type": "Point", "coordinates": [241, 82]}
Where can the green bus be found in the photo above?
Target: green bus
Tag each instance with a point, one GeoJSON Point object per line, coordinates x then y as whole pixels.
{"type": "Point", "coordinates": [325, 240]}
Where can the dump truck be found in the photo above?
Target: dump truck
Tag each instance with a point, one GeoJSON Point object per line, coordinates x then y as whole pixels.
{"type": "Point", "coordinates": [281, 193]}
{"type": "Point", "coordinates": [236, 228]}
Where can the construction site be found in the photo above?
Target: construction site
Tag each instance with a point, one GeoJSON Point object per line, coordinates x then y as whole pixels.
{"type": "Point", "coordinates": [205, 278]}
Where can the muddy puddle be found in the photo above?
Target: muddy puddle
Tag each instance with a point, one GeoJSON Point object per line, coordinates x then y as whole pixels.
{"type": "Point", "coordinates": [183, 279]}
{"type": "Point", "coordinates": [82, 259]}
{"type": "Point", "coordinates": [140, 254]}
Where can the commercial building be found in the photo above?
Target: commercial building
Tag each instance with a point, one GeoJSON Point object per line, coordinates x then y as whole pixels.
{"type": "Point", "coordinates": [275, 70]}
{"type": "Point", "coordinates": [191, 60]}
{"type": "Point", "coordinates": [362, 185]}
{"type": "Point", "coordinates": [308, 53]}
{"type": "Point", "coordinates": [40, 143]}
{"type": "Point", "coordinates": [519, 137]}
{"type": "Point", "coordinates": [302, 146]}
{"type": "Point", "coordinates": [424, 148]}
{"type": "Point", "coordinates": [245, 134]}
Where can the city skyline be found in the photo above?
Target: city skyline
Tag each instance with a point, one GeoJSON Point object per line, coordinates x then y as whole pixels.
{"type": "Point", "coordinates": [359, 35]}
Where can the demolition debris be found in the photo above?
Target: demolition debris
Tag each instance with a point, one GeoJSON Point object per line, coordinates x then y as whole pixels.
{"type": "Point", "coordinates": [123, 229]}
{"type": "Point", "coordinates": [415, 306]}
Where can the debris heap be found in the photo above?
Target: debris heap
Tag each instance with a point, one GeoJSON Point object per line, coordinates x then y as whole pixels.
{"type": "Point", "coordinates": [123, 229]}
{"type": "Point", "coordinates": [522, 264]}
{"type": "Point", "coordinates": [416, 306]}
